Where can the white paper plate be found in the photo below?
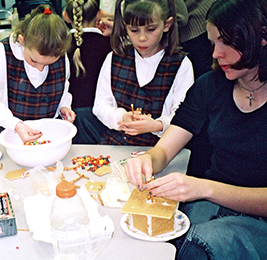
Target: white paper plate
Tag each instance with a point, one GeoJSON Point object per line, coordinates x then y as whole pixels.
{"type": "Point", "coordinates": [181, 226]}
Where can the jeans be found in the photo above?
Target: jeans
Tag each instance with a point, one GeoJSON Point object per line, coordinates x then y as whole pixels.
{"type": "Point", "coordinates": [221, 234]}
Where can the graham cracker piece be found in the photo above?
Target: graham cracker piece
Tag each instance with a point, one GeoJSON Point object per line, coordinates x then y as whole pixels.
{"type": "Point", "coordinates": [16, 174]}
{"type": "Point", "coordinates": [102, 170]}
{"type": "Point", "coordinates": [138, 204]}
{"type": "Point", "coordinates": [95, 186]}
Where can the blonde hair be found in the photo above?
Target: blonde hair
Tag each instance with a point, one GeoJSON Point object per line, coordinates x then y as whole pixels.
{"type": "Point", "coordinates": [80, 11]}
{"type": "Point", "coordinates": [46, 33]}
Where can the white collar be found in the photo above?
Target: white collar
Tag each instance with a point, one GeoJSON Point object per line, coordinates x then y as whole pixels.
{"type": "Point", "coordinates": [35, 76]}
{"type": "Point", "coordinates": [88, 29]}
{"type": "Point", "coordinates": [17, 48]}
{"type": "Point", "coordinates": [155, 57]}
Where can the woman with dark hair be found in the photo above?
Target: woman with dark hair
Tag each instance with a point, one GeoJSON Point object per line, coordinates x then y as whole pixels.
{"type": "Point", "coordinates": [228, 206]}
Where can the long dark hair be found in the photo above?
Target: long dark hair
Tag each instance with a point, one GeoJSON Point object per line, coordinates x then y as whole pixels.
{"type": "Point", "coordinates": [243, 26]}
{"type": "Point", "coordinates": [139, 13]}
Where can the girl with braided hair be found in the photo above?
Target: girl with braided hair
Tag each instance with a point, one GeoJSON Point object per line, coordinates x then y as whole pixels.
{"type": "Point", "coordinates": [34, 72]}
{"type": "Point", "coordinates": [88, 51]}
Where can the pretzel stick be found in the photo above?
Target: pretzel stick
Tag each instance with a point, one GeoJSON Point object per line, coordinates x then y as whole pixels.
{"type": "Point", "coordinates": [71, 168]}
{"type": "Point", "coordinates": [150, 195]}
{"type": "Point", "coordinates": [98, 195]}
{"type": "Point", "coordinates": [76, 179]}
{"type": "Point", "coordinates": [62, 177]}
{"type": "Point", "coordinates": [83, 175]}
{"type": "Point", "coordinates": [151, 179]}
{"type": "Point", "coordinates": [22, 229]}
{"type": "Point", "coordinates": [132, 107]}
{"type": "Point", "coordinates": [100, 199]}
{"type": "Point", "coordinates": [93, 197]}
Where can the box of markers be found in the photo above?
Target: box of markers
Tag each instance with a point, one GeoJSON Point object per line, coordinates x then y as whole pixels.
{"type": "Point", "coordinates": [8, 225]}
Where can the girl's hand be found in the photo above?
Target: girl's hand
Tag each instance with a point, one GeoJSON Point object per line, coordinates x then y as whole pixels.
{"type": "Point", "coordinates": [141, 124]}
{"type": "Point", "coordinates": [67, 114]}
{"type": "Point", "coordinates": [178, 187]}
{"type": "Point", "coordinates": [105, 22]}
{"type": "Point", "coordinates": [136, 167]}
{"type": "Point", "coordinates": [105, 25]}
{"type": "Point", "coordinates": [129, 116]}
{"type": "Point", "coordinates": [26, 133]}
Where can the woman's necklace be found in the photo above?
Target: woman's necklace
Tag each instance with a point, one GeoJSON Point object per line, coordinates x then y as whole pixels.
{"type": "Point", "coordinates": [250, 97]}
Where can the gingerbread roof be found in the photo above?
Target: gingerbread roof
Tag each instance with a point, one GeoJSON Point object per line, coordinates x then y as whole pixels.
{"type": "Point", "coordinates": [138, 204]}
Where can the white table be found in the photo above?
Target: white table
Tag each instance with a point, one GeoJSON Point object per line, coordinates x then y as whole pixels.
{"type": "Point", "coordinates": [122, 246]}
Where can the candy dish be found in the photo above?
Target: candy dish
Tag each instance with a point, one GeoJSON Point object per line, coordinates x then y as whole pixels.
{"type": "Point", "coordinates": [181, 226]}
{"type": "Point", "coordinates": [57, 131]}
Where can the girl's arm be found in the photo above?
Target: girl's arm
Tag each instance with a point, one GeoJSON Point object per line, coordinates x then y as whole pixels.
{"type": "Point", "coordinates": [183, 81]}
{"type": "Point", "coordinates": [7, 120]}
{"type": "Point", "coordinates": [66, 99]}
{"type": "Point", "coordinates": [105, 106]}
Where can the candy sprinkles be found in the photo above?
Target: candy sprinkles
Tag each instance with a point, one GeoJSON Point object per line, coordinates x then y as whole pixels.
{"type": "Point", "coordinates": [90, 163]}
{"type": "Point", "coordinates": [37, 142]}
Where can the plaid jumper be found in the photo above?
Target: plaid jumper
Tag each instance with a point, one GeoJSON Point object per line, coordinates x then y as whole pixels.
{"type": "Point", "coordinates": [26, 102]}
{"type": "Point", "coordinates": [150, 97]}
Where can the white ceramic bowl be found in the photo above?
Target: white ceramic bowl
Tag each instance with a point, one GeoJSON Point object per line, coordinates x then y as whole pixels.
{"type": "Point", "coordinates": [58, 131]}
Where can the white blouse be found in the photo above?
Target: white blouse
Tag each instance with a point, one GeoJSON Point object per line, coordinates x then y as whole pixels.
{"type": "Point", "coordinates": [36, 78]}
{"type": "Point", "coordinates": [105, 105]}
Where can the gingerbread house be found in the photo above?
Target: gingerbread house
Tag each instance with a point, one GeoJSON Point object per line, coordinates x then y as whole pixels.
{"type": "Point", "coordinates": [153, 216]}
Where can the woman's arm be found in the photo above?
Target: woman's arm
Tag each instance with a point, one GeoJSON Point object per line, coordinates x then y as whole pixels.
{"type": "Point", "coordinates": [247, 200]}
{"type": "Point", "coordinates": [180, 187]}
{"type": "Point", "coordinates": [158, 157]}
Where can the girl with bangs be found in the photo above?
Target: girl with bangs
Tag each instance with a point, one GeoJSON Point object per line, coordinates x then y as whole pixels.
{"type": "Point", "coordinates": [145, 78]}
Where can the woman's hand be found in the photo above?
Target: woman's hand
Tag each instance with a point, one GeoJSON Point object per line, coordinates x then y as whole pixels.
{"type": "Point", "coordinates": [135, 168]}
{"type": "Point", "coordinates": [67, 114]}
{"type": "Point", "coordinates": [179, 187]}
{"type": "Point", "coordinates": [26, 133]}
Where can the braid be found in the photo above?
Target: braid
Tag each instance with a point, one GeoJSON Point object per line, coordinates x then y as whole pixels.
{"type": "Point", "coordinates": [77, 19]}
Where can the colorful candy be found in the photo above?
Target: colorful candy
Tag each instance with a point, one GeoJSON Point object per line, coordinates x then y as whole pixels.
{"type": "Point", "coordinates": [90, 163]}
{"type": "Point", "coordinates": [37, 142]}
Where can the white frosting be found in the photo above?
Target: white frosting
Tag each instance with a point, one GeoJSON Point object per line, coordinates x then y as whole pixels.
{"type": "Point", "coordinates": [149, 222]}
{"type": "Point", "coordinates": [149, 201]}
{"type": "Point", "coordinates": [165, 203]}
